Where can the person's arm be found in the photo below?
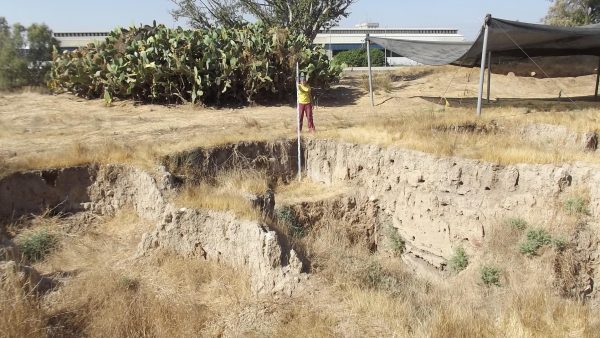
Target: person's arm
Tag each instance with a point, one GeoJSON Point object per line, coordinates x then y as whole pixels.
{"type": "Point", "coordinates": [304, 88]}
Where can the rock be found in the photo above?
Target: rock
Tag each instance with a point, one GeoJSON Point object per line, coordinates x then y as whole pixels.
{"type": "Point", "coordinates": [590, 141]}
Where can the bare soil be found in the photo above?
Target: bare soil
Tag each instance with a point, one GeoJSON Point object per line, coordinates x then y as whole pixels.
{"type": "Point", "coordinates": [36, 126]}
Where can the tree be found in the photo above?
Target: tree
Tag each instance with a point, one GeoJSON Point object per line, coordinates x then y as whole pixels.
{"type": "Point", "coordinates": [573, 12]}
{"type": "Point", "coordinates": [41, 44]}
{"type": "Point", "coordinates": [299, 16]}
{"type": "Point", "coordinates": [208, 13]}
{"type": "Point", "coordinates": [24, 54]}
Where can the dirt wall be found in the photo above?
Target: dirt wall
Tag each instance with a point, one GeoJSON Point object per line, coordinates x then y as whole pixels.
{"type": "Point", "coordinates": [439, 203]}
{"type": "Point", "coordinates": [58, 190]}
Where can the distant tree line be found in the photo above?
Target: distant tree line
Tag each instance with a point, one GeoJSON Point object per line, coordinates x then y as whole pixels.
{"type": "Point", "coordinates": [24, 54]}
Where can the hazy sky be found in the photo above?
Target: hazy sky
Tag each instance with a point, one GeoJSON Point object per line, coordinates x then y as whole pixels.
{"type": "Point", "coordinates": [79, 15]}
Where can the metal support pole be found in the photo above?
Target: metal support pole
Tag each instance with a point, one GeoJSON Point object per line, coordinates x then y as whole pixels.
{"type": "Point", "coordinates": [597, 80]}
{"type": "Point", "coordinates": [482, 73]}
{"type": "Point", "coordinates": [489, 75]}
{"type": "Point", "coordinates": [385, 57]}
{"type": "Point", "coordinates": [370, 72]}
{"type": "Point", "coordinates": [298, 121]}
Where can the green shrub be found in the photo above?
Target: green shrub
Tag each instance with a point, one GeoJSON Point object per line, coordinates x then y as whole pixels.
{"type": "Point", "coordinates": [397, 243]}
{"type": "Point", "coordinates": [517, 223]}
{"type": "Point", "coordinates": [211, 66]}
{"type": "Point", "coordinates": [490, 275]}
{"type": "Point", "coordinates": [378, 278]}
{"type": "Point", "coordinates": [576, 206]}
{"type": "Point", "coordinates": [286, 216]}
{"type": "Point", "coordinates": [36, 245]}
{"type": "Point", "coordinates": [535, 239]}
{"type": "Point", "coordinates": [560, 244]}
{"type": "Point", "coordinates": [358, 58]}
{"type": "Point", "coordinates": [129, 283]}
{"type": "Point", "coordinates": [459, 260]}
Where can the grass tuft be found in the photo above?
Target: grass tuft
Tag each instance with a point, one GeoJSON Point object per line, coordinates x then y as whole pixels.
{"type": "Point", "coordinates": [535, 239]}
{"type": "Point", "coordinates": [397, 243]}
{"type": "Point", "coordinates": [459, 260]}
{"type": "Point", "coordinates": [490, 275]}
{"type": "Point", "coordinates": [286, 216]}
{"type": "Point", "coordinates": [36, 245]}
{"type": "Point", "coordinates": [517, 223]}
{"type": "Point", "coordinates": [576, 206]}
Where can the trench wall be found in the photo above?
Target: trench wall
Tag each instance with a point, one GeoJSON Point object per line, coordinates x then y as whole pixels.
{"type": "Point", "coordinates": [57, 190]}
{"type": "Point", "coordinates": [437, 203]}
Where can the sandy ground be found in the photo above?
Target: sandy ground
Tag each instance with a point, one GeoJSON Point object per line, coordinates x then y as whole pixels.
{"type": "Point", "coordinates": [33, 124]}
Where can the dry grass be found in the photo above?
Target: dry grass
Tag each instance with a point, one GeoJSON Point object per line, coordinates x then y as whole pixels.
{"type": "Point", "coordinates": [380, 297]}
{"type": "Point", "coordinates": [20, 314]}
{"type": "Point", "coordinates": [437, 133]}
{"type": "Point", "coordinates": [110, 293]}
{"type": "Point", "coordinates": [227, 193]}
{"type": "Point", "coordinates": [381, 82]}
{"type": "Point", "coordinates": [38, 131]}
{"type": "Point", "coordinates": [307, 191]}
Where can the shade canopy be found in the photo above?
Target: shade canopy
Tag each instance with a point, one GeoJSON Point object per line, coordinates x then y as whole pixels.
{"type": "Point", "coordinates": [507, 41]}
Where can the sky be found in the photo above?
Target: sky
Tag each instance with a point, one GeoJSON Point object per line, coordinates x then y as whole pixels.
{"type": "Point", "coordinates": [98, 16]}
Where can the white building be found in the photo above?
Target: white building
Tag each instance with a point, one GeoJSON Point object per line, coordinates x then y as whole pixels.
{"type": "Point", "coordinates": [334, 40]}
{"type": "Point", "coordinates": [74, 40]}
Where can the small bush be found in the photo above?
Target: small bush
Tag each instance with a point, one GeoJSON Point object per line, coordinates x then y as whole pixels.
{"type": "Point", "coordinates": [129, 283]}
{"type": "Point", "coordinates": [378, 278]}
{"type": "Point", "coordinates": [490, 275]}
{"type": "Point", "coordinates": [459, 260]}
{"type": "Point", "coordinates": [397, 243]}
{"type": "Point", "coordinates": [358, 58]}
{"type": "Point", "coordinates": [37, 245]}
{"type": "Point", "coordinates": [560, 244]}
{"type": "Point", "coordinates": [535, 239]}
{"type": "Point", "coordinates": [287, 216]}
{"type": "Point", "coordinates": [576, 206]}
{"type": "Point", "coordinates": [517, 223]}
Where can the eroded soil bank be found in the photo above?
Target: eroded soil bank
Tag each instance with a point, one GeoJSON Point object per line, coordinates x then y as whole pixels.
{"type": "Point", "coordinates": [434, 204]}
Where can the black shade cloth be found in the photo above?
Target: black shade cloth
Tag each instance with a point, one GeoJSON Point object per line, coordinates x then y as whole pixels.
{"type": "Point", "coordinates": [507, 40]}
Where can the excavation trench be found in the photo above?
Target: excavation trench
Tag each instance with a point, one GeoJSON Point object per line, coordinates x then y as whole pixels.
{"type": "Point", "coordinates": [433, 204]}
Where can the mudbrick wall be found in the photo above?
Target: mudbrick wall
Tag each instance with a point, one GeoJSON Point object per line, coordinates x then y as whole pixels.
{"type": "Point", "coordinates": [438, 203]}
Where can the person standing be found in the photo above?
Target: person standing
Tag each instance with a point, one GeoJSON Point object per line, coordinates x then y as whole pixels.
{"type": "Point", "coordinates": [305, 103]}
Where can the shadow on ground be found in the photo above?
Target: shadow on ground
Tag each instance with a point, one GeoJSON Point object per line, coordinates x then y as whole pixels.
{"type": "Point", "coordinates": [337, 96]}
{"type": "Point", "coordinates": [564, 103]}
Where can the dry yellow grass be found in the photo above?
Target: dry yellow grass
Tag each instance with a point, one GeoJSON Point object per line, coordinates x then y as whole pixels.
{"type": "Point", "coordinates": [505, 144]}
{"type": "Point", "coordinates": [306, 191]}
{"type": "Point", "coordinates": [226, 193]}
{"type": "Point", "coordinates": [384, 299]}
{"type": "Point", "coordinates": [40, 130]}
{"type": "Point", "coordinates": [20, 314]}
{"type": "Point", "coordinates": [108, 292]}
{"type": "Point", "coordinates": [111, 292]}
